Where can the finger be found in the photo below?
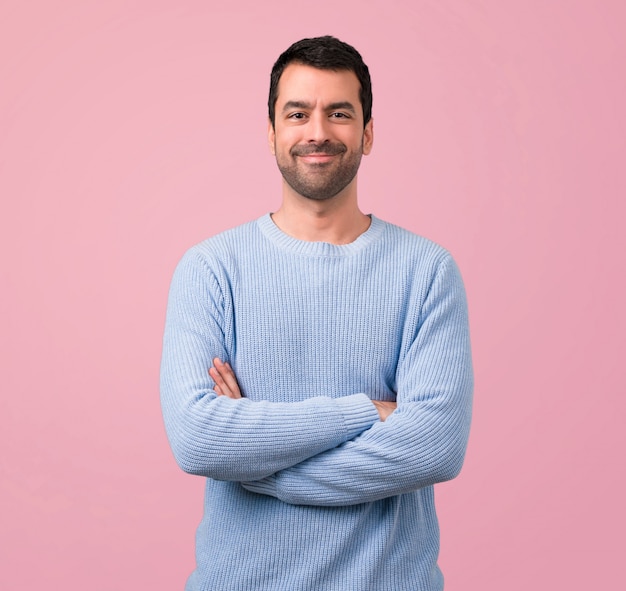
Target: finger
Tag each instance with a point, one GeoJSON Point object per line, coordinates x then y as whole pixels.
{"type": "Point", "coordinates": [228, 376]}
{"type": "Point", "coordinates": [231, 379]}
{"type": "Point", "coordinates": [221, 387]}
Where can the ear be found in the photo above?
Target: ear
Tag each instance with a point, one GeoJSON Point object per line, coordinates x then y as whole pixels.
{"type": "Point", "coordinates": [368, 137]}
{"type": "Point", "coordinates": [271, 136]}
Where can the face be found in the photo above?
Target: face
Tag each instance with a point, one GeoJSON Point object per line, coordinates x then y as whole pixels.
{"type": "Point", "coordinates": [318, 136]}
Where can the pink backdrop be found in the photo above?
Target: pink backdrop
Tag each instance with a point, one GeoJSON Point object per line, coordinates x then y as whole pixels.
{"type": "Point", "coordinates": [131, 130]}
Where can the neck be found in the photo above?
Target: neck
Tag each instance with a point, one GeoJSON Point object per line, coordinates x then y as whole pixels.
{"type": "Point", "coordinates": [337, 220]}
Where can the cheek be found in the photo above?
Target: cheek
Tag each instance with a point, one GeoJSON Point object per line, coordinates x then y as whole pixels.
{"type": "Point", "coordinates": [284, 146]}
{"type": "Point", "coordinates": [353, 141]}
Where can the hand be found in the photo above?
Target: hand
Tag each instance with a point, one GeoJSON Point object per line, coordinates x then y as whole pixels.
{"type": "Point", "coordinates": [225, 379]}
{"type": "Point", "coordinates": [384, 408]}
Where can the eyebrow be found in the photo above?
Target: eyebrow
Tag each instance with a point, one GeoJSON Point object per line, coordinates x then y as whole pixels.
{"type": "Point", "coordinates": [348, 106]}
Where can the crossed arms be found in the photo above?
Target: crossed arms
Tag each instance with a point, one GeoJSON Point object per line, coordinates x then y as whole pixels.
{"type": "Point", "coordinates": [321, 450]}
{"type": "Point", "coordinates": [226, 385]}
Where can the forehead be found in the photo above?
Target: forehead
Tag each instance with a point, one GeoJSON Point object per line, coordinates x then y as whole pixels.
{"type": "Point", "coordinates": [305, 83]}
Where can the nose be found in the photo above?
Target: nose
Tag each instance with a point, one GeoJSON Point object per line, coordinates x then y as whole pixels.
{"type": "Point", "coordinates": [318, 128]}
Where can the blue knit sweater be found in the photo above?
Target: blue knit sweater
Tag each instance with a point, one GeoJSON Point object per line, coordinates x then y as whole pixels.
{"type": "Point", "coordinates": [307, 490]}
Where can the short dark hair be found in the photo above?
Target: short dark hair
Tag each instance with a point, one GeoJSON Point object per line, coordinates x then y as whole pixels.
{"type": "Point", "coordinates": [325, 53]}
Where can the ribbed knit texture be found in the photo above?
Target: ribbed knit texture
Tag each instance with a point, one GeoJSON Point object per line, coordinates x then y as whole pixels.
{"type": "Point", "coordinates": [307, 490]}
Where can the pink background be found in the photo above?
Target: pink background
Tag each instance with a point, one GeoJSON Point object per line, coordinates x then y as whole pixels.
{"type": "Point", "coordinates": [131, 130]}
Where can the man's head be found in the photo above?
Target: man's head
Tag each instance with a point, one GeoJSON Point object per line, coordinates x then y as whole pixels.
{"type": "Point", "coordinates": [324, 53]}
{"type": "Point", "coordinates": [317, 128]}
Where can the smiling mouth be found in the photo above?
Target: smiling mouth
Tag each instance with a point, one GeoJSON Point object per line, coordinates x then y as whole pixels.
{"type": "Point", "coordinates": [317, 157]}
{"type": "Point", "coordinates": [318, 151]}
{"type": "Point", "coordinates": [317, 162]}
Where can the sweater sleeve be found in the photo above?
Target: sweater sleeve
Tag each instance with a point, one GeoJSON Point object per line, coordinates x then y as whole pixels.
{"type": "Point", "coordinates": [228, 439]}
{"type": "Point", "coordinates": [423, 442]}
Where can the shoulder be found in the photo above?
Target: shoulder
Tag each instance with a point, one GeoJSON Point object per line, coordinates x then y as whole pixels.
{"type": "Point", "coordinates": [424, 266]}
{"type": "Point", "coordinates": [228, 246]}
{"type": "Point", "coordinates": [427, 272]}
{"type": "Point", "coordinates": [218, 259]}
{"type": "Point", "coordinates": [229, 242]}
{"type": "Point", "coordinates": [411, 247]}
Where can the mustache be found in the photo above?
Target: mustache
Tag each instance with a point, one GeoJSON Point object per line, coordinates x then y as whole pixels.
{"type": "Point", "coordinates": [327, 148]}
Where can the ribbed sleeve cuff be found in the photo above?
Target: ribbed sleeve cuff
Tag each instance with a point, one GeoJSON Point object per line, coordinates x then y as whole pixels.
{"type": "Point", "coordinates": [358, 412]}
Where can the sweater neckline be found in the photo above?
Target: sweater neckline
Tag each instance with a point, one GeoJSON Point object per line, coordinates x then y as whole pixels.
{"type": "Point", "coordinates": [322, 249]}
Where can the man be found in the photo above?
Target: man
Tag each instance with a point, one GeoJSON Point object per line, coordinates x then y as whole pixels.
{"type": "Point", "coordinates": [289, 342]}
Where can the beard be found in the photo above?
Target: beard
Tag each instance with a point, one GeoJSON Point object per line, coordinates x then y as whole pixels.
{"type": "Point", "coordinates": [324, 180]}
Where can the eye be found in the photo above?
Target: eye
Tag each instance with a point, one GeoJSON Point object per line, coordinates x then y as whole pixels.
{"type": "Point", "coordinates": [339, 115]}
{"type": "Point", "coordinates": [296, 116]}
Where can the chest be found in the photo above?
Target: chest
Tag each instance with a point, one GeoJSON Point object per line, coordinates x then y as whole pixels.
{"type": "Point", "coordinates": [330, 328]}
